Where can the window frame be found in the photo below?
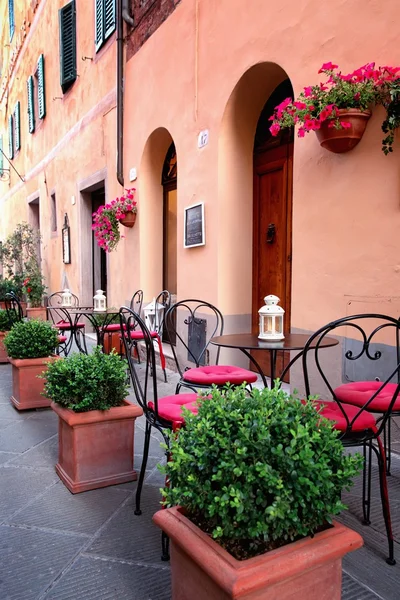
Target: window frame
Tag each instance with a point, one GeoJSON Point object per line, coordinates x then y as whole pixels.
{"type": "Point", "coordinates": [67, 79]}
{"type": "Point", "coordinates": [11, 18]}
{"type": "Point", "coordinates": [101, 32]}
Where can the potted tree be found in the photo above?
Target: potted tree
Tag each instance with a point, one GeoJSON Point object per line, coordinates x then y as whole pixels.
{"type": "Point", "coordinates": [96, 423]}
{"type": "Point", "coordinates": [5, 326]}
{"type": "Point", "coordinates": [253, 482]}
{"type": "Point", "coordinates": [30, 346]}
{"type": "Point", "coordinates": [34, 289]}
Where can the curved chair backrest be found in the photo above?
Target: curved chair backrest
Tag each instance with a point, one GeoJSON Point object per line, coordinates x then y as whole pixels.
{"type": "Point", "coordinates": [181, 321]}
{"type": "Point", "coordinates": [373, 339]}
{"type": "Point", "coordinates": [131, 322]}
{"type": "Point", "coordinates": [60, 313]}
{"type": "Point", "coordinates": [136, 302]}
{"type": "Point", "coordinates": [13, 308]}
{"type": "Point", "coordinates": [55, 300]}
{"type": "Point", "coordinates": [163, 298]}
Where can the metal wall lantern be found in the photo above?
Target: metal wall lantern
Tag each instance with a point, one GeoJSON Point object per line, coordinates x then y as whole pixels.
{"type": "Point", "coordinates": [271, 320]}
{"type": "Point", "coordinates": [153, 316]}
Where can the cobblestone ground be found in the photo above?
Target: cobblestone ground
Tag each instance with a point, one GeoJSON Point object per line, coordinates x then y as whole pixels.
{"type": "Point", "coordinates": [59, 546]}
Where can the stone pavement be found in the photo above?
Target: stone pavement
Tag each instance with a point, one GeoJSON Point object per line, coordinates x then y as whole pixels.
{"type": "Point", "coordinates": [59, 546]}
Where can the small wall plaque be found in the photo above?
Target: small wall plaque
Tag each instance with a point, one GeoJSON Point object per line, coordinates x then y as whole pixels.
{"type": "Point", "coordinates": [194, 232]}
{"type": "Point", "coordinates": [66, 241]}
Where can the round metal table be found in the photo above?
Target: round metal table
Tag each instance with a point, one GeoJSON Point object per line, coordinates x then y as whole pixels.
{"type": "Point", "coordinates": [292, 342]}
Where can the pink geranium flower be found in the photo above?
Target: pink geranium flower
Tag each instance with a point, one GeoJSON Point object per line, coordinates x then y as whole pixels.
{"type": "Point", "coordinates": [106, 219]}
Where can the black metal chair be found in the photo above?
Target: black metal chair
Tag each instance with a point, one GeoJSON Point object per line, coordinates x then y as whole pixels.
{"type": "Point", "coordinates": [13, 308]}
{"type": "Point", "coordinates": [161, 413]}
{"type": "Point", "coordinates": [63, 321]}
{"type": "Point", "coordinates": [137, 302]}
{"type": "Point", "coordinates": [356, 424]}
{"type": "Point", "coordinates": [113, 330]}
{"type": "Point", "coordinates": [199, 320]}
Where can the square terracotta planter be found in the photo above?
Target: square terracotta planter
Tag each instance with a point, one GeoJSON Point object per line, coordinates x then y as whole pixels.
{"type": "Point", "coordinates": [37, 313]}
{"type": "Point", "coordinates": [96, 448]}
{"type": "Point", "coordinates": [27, 387]}
{"type": "Point", "coordinates": [113, 341]}
{"type": "Point", "coordinates": [310, 568]}
{"type": "Point", "coordinates": [3, 352]}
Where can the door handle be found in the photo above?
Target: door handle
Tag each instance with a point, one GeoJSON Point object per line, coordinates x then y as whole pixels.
{"type": "Point", "coordinates": [271, 233]}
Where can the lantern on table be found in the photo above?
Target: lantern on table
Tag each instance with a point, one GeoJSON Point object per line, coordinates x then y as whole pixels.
{"type": "Point", "coordinates": [271, 320]}
{"type": "Point", "coordinates": [153, 316]}
{"type": "Point", "coordinates": [66, 298]}
{"type": "Point", "coordinates": [99, 301]}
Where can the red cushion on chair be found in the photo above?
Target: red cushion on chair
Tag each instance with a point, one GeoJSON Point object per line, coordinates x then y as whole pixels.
{"type": "Point", "coordinates": [331, 411]}
{"type": "Point", "coordinates": [170, 407]}
{"type": "Point", "coordinates": [359, 392]}
{"type": "Point", "coordinates": [112, 327]}
{"type": "Point", "coordinates": [64, 325]}
{"type": "Point", "coordinates": [138, 335]}
{"type": "Point", "coordinates": [62, 339]}
{"type": "Point", "coordinates": [219, 374]}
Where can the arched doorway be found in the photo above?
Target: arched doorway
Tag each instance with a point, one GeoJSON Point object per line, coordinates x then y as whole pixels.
{"type": "Point", "coordinates": [272, 215]}
{"type": "Point", "coordinates": [170, 208]}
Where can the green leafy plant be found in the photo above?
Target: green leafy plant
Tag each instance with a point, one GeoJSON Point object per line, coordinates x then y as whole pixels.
{"type": "Point", "coordinates": [84, 382]}
{"type": "Point", "coordinates": [7, 319]}
{"type": "Point", "coordinates": [31, 339]}
{"type": "Point", "coordinates": [258, 470]}
{"type": "Point", "coordinates": [33, 286]}
{"type": "Point", "coordinates": [100, 318]}
{"type": "Point", "coordinates": [19, 248]}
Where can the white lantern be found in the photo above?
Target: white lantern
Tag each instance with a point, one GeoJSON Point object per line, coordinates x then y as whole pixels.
{"type": "Point", "coordinates": [271, 319]}
{"type": "Point", "coordinates": [66, 298]}
{"type": "Point", "coordinates": [99, 300]}
{"type": "Point", "coordinates": [153, 316]}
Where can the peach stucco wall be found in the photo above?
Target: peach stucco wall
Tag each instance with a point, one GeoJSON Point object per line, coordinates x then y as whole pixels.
{"type": "Point", "coordinates": [191, 75]}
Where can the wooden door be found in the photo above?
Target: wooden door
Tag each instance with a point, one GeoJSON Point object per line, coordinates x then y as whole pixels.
{"type": "Point", "coordinates": [272, 237]}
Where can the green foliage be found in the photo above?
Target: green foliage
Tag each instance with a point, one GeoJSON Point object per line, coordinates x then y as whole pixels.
{"type": "Point", "coordinates": [7, 286]}
{"type": "Point", "coordinates": [257, 470]}
{"type": "Point", "coordinates": [19, 248]}
{"type": "Point", "coordinates": [391, 102]}
{"type": "Point", "coordinates": [7, 319]}
{"type": "Point", "coordinates": [100, 318]}
{"type": "Point", "coordinates": [31, 339]}
{"type": "Point", "coordinates": [33, 285]}
{"type": "Point", "coordinates": [84, 382]}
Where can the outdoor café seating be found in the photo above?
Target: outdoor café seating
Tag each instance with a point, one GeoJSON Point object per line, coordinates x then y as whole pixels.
{"type": "Point", "coordinates": [356, 423]}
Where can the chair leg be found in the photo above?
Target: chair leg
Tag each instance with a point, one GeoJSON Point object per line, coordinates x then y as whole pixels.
{"type": "Point", "coordinates": [388, 444]}
{"type": "Point", "coordinates": [143, 467]}
{"type": "Point", "coordinates": [366, 500]}
{"type": "Point", "coordinates": [165, 547]}
{"type": "Point", "coordinates": [380, 453]}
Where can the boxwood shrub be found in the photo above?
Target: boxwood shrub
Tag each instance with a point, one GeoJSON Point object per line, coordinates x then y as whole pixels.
{"type": "Point", "coordinates": [6, 319]}
{"type": "Point", "coordinates": [257, 470]}
{"type": "Point", "coordinates": [84, 382]}
{"type": "Point", "coordinates": [31, 339]}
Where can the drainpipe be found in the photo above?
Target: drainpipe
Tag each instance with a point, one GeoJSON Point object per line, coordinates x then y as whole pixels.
{"type": "Point", "coordinates": [122, 14]}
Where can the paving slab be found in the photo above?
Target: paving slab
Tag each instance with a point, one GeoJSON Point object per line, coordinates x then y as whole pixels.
{"type": "Point", "coordinates": [18, 487]}
{"type": "Point", "coordinates": [18, 437]}
{"type": "Point", "coordinates": [44, 455]}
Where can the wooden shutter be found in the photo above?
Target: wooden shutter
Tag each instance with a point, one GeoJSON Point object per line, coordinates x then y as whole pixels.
{"type": "Point", "coordinates": [1, 155]}
{"type": "Point", "coordinates": [17, 126]}
{"type": "Point", "coordinates": [41, 88]}
{"type": "Point", "coordinates": [67, 19]}
{"type": "Point", "coordinates": [109, 18]}
{"type": "Point", "coordinates": [98, 26]}
{"type": "Point", "coordinates": [10, 137]}
{"type": "Point", "coordinates": [11, 18]}
{"type": "Point", "coordinates": [31, 105]}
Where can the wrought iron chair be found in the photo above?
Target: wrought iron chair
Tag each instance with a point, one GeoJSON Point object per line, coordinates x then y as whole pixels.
{"type": "Point", "coordinates": [356, 424]}
{"type": "Point", "coordinates": [161, 413]}
{"type": "Point", "coordinates": [114, 329]}
{"type": "Point", "coordinates": [13, 308]}
{"type": "Point", "coordinates": [62, 320]}
{"type": "Point", "coordinates": [192, 314]}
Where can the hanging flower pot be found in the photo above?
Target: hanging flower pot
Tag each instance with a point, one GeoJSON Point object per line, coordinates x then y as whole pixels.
{"type": "Point", "coordinates": [129, 219]}
{"type": "Point", "coordinates": [354, 122]}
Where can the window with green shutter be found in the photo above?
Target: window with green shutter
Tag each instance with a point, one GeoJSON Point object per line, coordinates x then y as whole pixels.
{"type": "Point", "coordinates": [105, 21]}
{"type": "Point", "coordinates": [41, 88]}
{"type": "Point", "coordinates": [11, 21]}
{"type": "Point", "coordinates": [67, 20]}
{"type": "Point", "coordinates": [10, 137]}
{"type": "Point", "coordinates": [31, 105]}
{"type": "Point", "coordinates": [1, 155]}
{"type": "Point", "coordinates": [17, 126]}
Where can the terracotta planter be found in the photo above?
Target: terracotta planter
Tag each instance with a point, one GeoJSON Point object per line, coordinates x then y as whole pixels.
{"type": "Point", "coordinates": [3, 351]}
{"type": "Point", "coordinates": [310, 568]}
{"type": "Point", "coordinates": [343, 140]}
{"type": "Point", "coordinates": [113, 341]}
{"type": "Point", "coordinates": [95, 448]}
{"type": "Point", "coordinates": [37, 313]}
{"type": "Point", "coordinates": [129, 219]}
{"type": "Point", "coordinates": [27, 387]}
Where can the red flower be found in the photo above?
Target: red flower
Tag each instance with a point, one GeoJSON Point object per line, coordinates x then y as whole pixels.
{"type": "Point", "coordinates": [275, 129]}
{"type": "Point", "coordinates": [327, 67]}
{"type": "Point", "coordinates": [29, 290]}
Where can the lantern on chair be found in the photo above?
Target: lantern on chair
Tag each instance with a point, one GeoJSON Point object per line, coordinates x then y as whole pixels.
{"type": "Point", "coordinates": [99, 301]}
{"type": "Point", "coordinates": [153, 316]}
{"type": "Point", "coordinates": [66, 298]}
{"type": "Point", "coordinates": [271, 320]}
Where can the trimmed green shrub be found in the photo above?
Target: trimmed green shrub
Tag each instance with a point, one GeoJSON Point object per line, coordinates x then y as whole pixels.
{"type": "Point", "coordinates": [257, 470]}
{"type": "Point", "coordinates": [31, 339]}
{"type": "Point", "coordinates": [7, 319]}
{"type": "Point", "coordinates": [84, 382]}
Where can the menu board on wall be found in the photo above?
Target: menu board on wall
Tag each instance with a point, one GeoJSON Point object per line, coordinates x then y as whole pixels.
{"type": "Point", "coordinates": [194, 233]}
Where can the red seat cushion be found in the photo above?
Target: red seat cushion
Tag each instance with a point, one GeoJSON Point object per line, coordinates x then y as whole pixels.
{"type": "Point", "coordinates": [219, 374]}
{"type": "Point", "coordinates": [138, 335]}
{"type": "Point", "coordinates": [112, 327]}
{"type": "Point", "coordinates": [64, 325]}
{"type": "Point", "coordinates": [332, 411]}
{"type": "Point", "coordinates": [170, 407]}
{"type": "Point", "coordinates": [359, 392]}
{"type": "Point", "coordinates": [62, 339]}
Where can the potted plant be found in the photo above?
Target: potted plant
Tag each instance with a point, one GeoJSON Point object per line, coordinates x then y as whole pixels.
{"type": "Point", "coordinates": [253, 482]}
{"type": "Point", "coordinates": [6, 323]}
{"type": "Point", "coordinates": [339, 108]}
{"type": "Point", "coordinates": [96, 422]}
{"type": "Point", "coordinates": [34, 289]}
{"type": "Point", "coordinates": [30, 346]}
{"type": "Point", "coordinates": [107, 218]}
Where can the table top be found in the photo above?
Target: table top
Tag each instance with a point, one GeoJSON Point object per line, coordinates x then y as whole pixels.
{"type": "Point", "coordinates": [82, 310]}
{"type": "Point", "coordinates": [249, 341]}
